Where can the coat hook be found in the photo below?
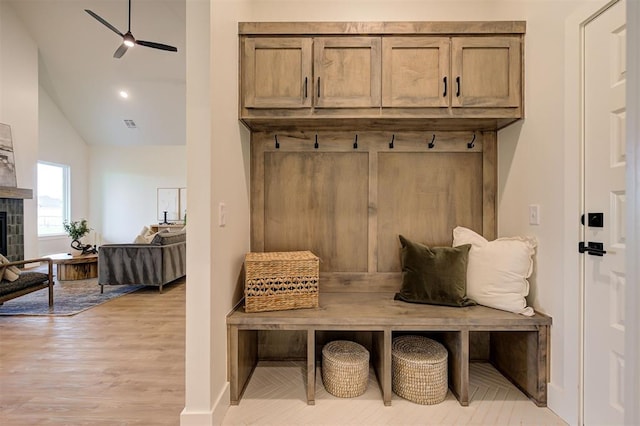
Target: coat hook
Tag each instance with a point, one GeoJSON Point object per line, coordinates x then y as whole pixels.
{"type": "Point", "coordinates": [277, 143]}
{"type": "Point", "coordinates": [355, 142]}
{"type": "Point", "coordinates": [433, 142]}
{"type": "Point", "coordinates": [471, 144]}
{"type": "Point", "coordinates": [316, 146]}
{"type": "Point", "coordinates": [393, 137]}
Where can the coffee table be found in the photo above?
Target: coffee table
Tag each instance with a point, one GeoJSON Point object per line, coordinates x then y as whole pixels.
{"type": "Point", "coordinates": [75, 267]}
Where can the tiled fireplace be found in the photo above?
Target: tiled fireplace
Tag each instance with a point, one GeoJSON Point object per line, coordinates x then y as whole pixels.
{"type": "Point", "coordinates": [12, 222]}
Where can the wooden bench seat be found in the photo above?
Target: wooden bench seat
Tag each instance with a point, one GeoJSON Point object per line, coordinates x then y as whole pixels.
{"type": "Point", "coordinates": [518, 344]}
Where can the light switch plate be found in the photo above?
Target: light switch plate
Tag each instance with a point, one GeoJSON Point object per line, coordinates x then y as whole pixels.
{"type": "Point", "coordinates": [534, 214]}
{"type": "Point", "coordinates": [222, 215]}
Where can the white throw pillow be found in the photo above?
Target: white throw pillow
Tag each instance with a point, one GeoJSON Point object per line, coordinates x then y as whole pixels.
{"type": "Point", "coordinates": [9, 273]}
{"type": "Point", "coordinates": [145, 236]}
{"type": "Point", "coordinates": [497, 270]}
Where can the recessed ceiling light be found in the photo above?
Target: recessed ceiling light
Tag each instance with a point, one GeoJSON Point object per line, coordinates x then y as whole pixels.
{"type": "Point", "coordinates": [124, 94]}
{"type": "Point", "coordinates": [130, 124]}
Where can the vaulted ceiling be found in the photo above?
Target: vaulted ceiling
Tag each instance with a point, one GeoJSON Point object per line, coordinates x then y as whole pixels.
{"type": "Point", "coordinates": [78, 71]}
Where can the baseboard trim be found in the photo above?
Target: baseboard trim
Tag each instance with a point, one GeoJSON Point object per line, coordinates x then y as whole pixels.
{"type": "Point", "coordinates": [213, 417]}
{"type": "Point", "coordinates": [195, 418]}
{"type": "Point", "coordinates": [564, 405]}
{"type": "Point", "coordinates": [221, 405]}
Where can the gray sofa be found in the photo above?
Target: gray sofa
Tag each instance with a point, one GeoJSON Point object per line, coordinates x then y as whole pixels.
{"type": "Point", "coordinates": [161, 261]}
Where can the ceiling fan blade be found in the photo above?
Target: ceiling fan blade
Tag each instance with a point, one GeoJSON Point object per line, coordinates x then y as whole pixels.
{"type": "Point", "coordinates": [120, 51]}
{"type": "Point", "coordinates": [157, 45]}
{"type": "Point", "coordinates": [103, 22]}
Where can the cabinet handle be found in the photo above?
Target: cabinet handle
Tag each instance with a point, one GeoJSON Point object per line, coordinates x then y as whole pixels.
{"type": "Point", "coordinates": [458, 86]}
{"type": "Point", "coordinates": [444, 94]}
{"type": "Point", "coordinates": [305, 87]}
{"type": "Point", "coordinates": [318, 86]}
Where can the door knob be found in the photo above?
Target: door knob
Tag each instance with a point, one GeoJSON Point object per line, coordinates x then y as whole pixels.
{"type": "Point", "coordinates": [592, 248]}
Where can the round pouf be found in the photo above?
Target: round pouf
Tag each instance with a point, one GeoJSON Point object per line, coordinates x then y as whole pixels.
{"type": "Point", "coordinates": [419, 367]}
{"type": "Point", "coordinates": [345, 368]}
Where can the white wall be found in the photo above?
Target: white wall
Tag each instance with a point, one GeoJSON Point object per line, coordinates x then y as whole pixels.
{"type": "Point", "coordinates": [217, 157]}
{"type": "Point", "coordinates": [201, 392]}
{"type": "Point", "coordinates": [115, 189]}
{"type": "Point", "coordinates": [19, 109]}
{"type": "Point", "coordinates": [60, 143]}
{"type": "Point", "coordinates": [123, 187]}
{"type": "Point", "coordinates": [531, 157]}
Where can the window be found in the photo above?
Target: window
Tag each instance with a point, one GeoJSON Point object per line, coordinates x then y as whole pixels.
{"type": "Point", "coordinates": [53, 198]}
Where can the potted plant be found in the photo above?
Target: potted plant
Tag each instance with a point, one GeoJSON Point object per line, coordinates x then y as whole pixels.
{"type": "Point", "coordinates": [76, 230]}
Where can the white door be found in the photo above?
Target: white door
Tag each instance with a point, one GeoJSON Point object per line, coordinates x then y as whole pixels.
{"type": "Point", "coordinates": [604, 192]}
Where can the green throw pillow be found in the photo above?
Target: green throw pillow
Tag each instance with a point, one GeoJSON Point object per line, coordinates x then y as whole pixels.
{"type": "Point", "coordinates": [434, 275]}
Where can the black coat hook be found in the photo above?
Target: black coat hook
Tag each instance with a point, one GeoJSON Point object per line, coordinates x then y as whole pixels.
{"type": "Point", "coordinates": [433, 141]}
{"type": "Point", "coordinates": [471, 144]}
{"type": "Point", "coordinates": [277, 143]}
{"type": "Point", "coordinates": [316, 146]}
{"type": "Point", "coordinates": [355, 142]}
{"type": "Point", "coordinates": [393, 137]}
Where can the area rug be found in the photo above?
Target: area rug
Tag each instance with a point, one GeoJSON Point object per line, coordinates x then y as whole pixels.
{"type": "Point", "coordinates": [69, 298]}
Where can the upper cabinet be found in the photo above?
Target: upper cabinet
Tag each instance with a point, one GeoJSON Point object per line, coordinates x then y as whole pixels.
{"type": "Point", "coordinates": [404, 76]}
{"type": "Point", "coordinates": [347, 72]}
{"type": "Point", "coordinates": [487, 72]}
{"type": "Point", "coordinates": [415, 72]}
{"type": "Point", "coordinates": [470, 72]}
{"type": "Point", "coordinates": [277, 72]}
{"type": "Point", "coordinates": [299, 72]}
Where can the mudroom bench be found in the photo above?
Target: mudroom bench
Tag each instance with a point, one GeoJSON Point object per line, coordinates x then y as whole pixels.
{"type": "Point", "coordinates": [517, 345]}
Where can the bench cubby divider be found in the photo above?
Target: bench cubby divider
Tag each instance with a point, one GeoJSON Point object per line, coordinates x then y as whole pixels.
{"type": "Point", "coordinates": [518, 344]}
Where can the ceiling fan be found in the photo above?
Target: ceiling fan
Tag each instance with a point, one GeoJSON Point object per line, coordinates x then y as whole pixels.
{"type": "Point", "coordinates": [127, 39]}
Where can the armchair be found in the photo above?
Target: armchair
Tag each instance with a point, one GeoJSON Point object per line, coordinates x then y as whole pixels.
{"type": "Point", "coordinates": [27, 281]}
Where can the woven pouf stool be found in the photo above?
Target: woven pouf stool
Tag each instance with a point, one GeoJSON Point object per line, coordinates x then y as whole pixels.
{"type": "Point", "coordinates": [345, 368]}
{"type": "Point", "coordinates": [419, 366]}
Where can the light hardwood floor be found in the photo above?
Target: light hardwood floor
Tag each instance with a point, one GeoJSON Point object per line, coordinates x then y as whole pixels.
{"type": "Point", "coordinates": [122, 363]}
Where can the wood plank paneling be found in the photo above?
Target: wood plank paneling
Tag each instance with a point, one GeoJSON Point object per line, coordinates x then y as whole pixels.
{"type": "Point", "coordinates": [489, 186]}
{"type": "Point", "coordinates": [348, 203]}
{"type": "Point", "coordinates": [423, 196]}
{"type": "Point", "coordinates": [522, 358]}
{"type": "Point", "coordinates": [318, 201]}
{"type": "Point", "coordinates": [282, 344]}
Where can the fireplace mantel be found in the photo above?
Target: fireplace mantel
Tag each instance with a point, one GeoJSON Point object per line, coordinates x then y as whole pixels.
{"type": "Point", "coordinates": [13, 192]}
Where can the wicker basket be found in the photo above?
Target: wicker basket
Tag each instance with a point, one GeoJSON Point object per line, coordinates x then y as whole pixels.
{"type": "Point", "coordinates": [345, 368]}
{"type": "Point", "coordinates": [277, 281]}
{"type": "Point", "coordinates": [419, 367]}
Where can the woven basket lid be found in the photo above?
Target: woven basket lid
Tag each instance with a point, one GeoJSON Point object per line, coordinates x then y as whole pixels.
{"type": "Point", "coordinates": [418, 349]}
{"type": "Point", "coordinates": [345, 351]}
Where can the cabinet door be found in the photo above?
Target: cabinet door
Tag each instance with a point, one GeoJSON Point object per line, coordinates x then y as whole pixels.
{"type": "Point", "coordinates": [415, 72]}
{"type": "Point", "coordinates": [277, 72]}
{"type": "Point", "coordinates": [347, 71]}
{"type": "Point", "coordinates": [487, 71]}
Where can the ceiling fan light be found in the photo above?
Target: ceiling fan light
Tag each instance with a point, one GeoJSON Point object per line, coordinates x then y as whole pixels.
{"type": "Point", "coordinates": [129, 41]}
